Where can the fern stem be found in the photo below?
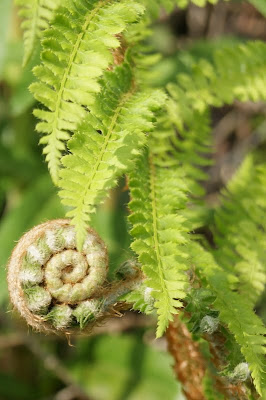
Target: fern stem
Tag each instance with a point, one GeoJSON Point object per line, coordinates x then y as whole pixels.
{"type": "Point", "coordinates": [190, 366]}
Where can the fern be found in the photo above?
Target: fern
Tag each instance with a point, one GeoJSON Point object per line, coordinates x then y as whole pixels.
{"type": "Point", "coordinates": [36, 15]}
{"type": "Point", "coordinates": [154, 6]}
{"type": "Point", "coordinates": [184, 150]}
{"type": "Point", "coordinates": [237, 73]}
{"type": "Point", "coordinates": [235, 312]}
{"type": "Point", "coordinates": [240, 228]}
{"type": "Point", "coordinates": [188, 107]}
{"type": "Point", "coordinates": [157, 193]}
{"type": "Point", "coordinates": [76, 51]}
{"type": "Point", "coordinates": [105, 143]}
{"type": "Point", "coordinates": [190, 148]}
{"type": "Point", "coordinates": [260, 5]}
{"type": "Point", "coordinates": [100, 120]}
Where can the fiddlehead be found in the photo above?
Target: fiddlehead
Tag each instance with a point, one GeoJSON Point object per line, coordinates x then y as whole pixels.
{"type": "Point", "coordinates": [57, 288]}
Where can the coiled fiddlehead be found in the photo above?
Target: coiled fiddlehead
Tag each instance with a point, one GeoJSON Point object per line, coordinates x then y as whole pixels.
{"type": "Point", "coordinates": [58, 289]}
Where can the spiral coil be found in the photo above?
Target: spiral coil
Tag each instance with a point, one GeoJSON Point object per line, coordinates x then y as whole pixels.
{"type": "Point", "coordinates": [57, 288]}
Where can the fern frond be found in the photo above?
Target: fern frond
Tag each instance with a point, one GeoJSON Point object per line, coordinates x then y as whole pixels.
{"type": "Point", "coordinates": [157, 193]}
{"type": "Point", "coordinates": [154, 6]}
{"type": "Point", "coordinates": [240, 228]}
{"type": "Point", "coordinates": [76, 50]}
{"type": "Point", "coordinates": [191, 145]}
{"type": "Point", "coordinates": [237, 73]}
{"type": "Point", "coordinates": [260, 5]}
{"type": "Point", "coordinates": [236, 313]}
{"type": "Point", "coordinates": [182, 147]}
{"type": "Point", "coordinates": [36, 15]}
{"type": "Point", "coordinates": [105, 144]}
{"type": "Point", "coordinates": [141, 299]}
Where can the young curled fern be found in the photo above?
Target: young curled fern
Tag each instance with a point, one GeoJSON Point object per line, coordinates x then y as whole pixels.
{"type": "Point", "coordinates": [59, 289]}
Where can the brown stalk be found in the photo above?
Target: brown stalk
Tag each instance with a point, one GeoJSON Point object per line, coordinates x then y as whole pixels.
{"type": "Point", "coordinates": [190, 366]}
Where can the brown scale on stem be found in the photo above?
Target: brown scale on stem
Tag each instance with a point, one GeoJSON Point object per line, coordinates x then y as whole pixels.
{"type": "Point", "coordinates": [190, 366]}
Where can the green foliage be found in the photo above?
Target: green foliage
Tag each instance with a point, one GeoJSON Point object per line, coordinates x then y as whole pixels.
{"type": "Point", "coordinates": [236, 73]}
{"type": "Point", "coordinates": [101, 118]}
{"type": "Point", "coordinates": [199, 305]}
{"type": "Point", "coordinates": [159, 237]}
{"type": "Point", "coordinates": [260, 5]}
{"type": "Point", "coordinates": [76, 51]}
{"type": "Point", "coordinates": [154, 6]}
{"type": "Point", "coordinates": [36, 15]}
{"type": "Point", "coordinates": [236, 312]}
{"type": "Point", "coordinates": [5, 13]}
{"type": "Point", "coordinates": [104, 145]}
{"type": "Point", "coordinates": [240, 228]}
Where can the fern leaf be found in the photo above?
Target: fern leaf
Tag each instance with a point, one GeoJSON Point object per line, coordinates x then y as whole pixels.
{"type": "Point", "coordinates": [237, 314]}
{"type": "Point", "coordinates": [237, 73]}
{"type": "Point", "coordinates": [105, 144]}
{"type": "Point", "coordinates": [159, 237]}
{"type": "Point", "coordinates": [260, 6]}
{"type": "Point", "coordinates": [154, 6]}
{"type": "Point", "coordinates": [76, 51]}
{"type": "Point", "coordinates": [240, 228]}
{"type": "Point", "coordinates": [36, 15]}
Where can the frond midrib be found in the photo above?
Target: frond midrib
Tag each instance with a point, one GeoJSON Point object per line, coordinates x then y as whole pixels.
{"type": "Point", "coordinates": [66, 74]}
{"type": "Point", "coordinates": [104, 146]}
{"type": "Point", "coordinates": [34, 31]}
{"type": "Point", "coordinates": [155, 226]}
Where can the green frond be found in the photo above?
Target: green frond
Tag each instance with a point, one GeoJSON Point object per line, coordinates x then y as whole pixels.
{"type": "Point", "coordinates": [235, 311]}
{"type": "Point", "coordinates": [187, 148]}
{"type": "Point", "coordinates": [154, 6]}
{"type": "Point", "coordinates": [240, 228]}
{"type": "Point", "coordinates": [191, 145]}
{"type": "Point", "coordinates": [260, 6]}
{"type": "Point", "coordinates": [76, 51]}
{"type": "Point", "coordinates": [237, 73]}
{"type": "Point", "coordinates": [141, 299]}
{"type": "Point", "coordinates": [105, 144]}
{"type": "Point", "coordinates": [157, 194]}
{"type": "Point", "coordinates": [36, 15]}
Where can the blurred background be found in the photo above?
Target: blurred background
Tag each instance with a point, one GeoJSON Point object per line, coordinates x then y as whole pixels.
{"type": "Point", "coordinates": [122, 360]}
